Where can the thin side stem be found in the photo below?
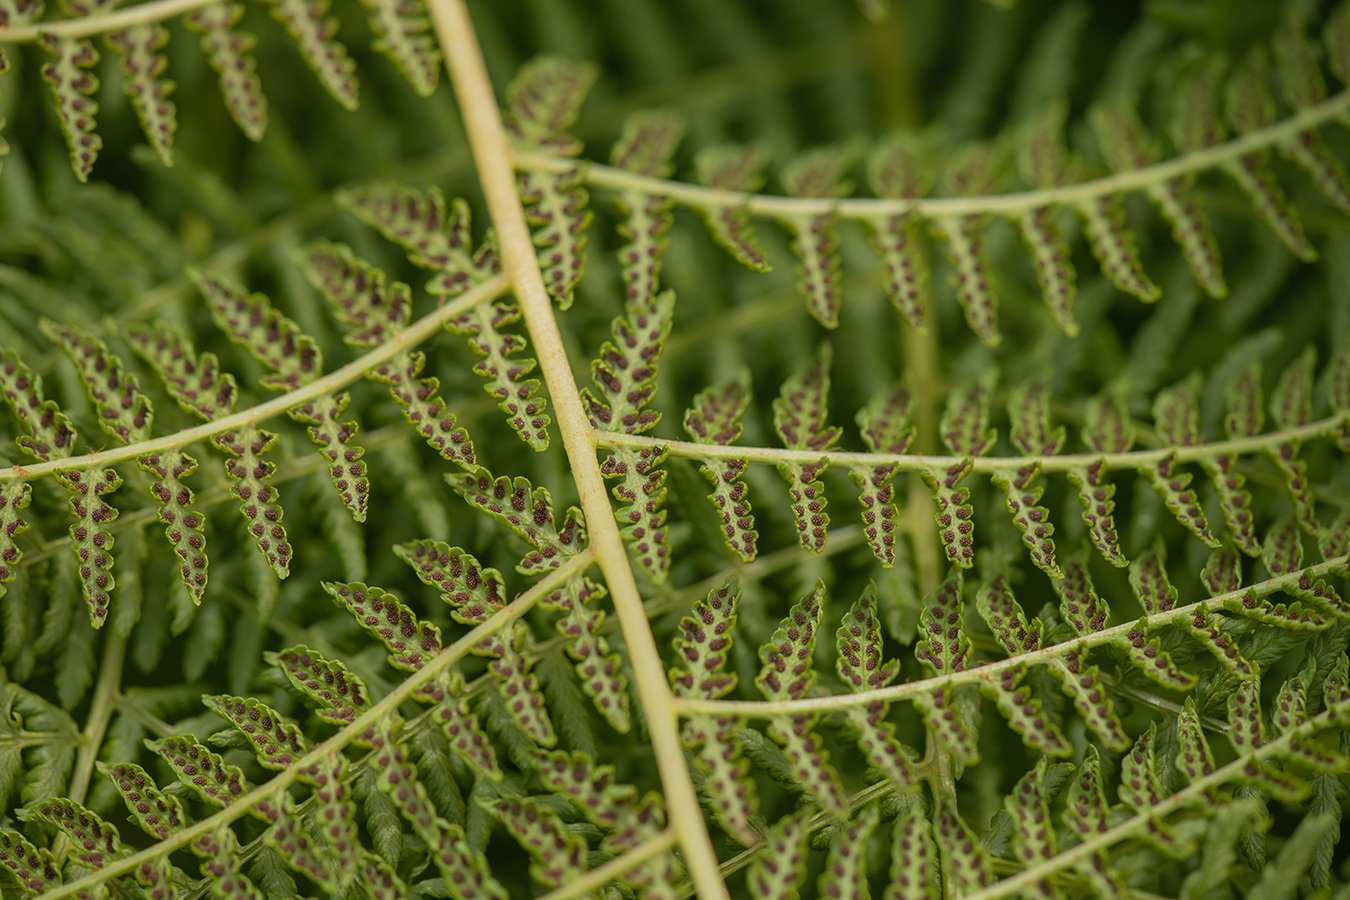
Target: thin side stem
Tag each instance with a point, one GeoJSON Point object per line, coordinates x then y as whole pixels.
{"type": "Point", "coordinates": [615, 868]}
{"type": "Point", "coordinates": [1134, 459]}
{"type": "Point", "coordinates": [419, 331]}
{"type": "Point", "coordinates": [1192, 792]}
{"type": "Point", "coordinates": [388, 704]}
{"type": "Point", "coordinates": [1011, 205]}
{"type": "Point", "coordinates": [989, 671]}
{"type": "Point", "coordinates": [492, 155]}
{"type": "Point", "coordinates": [155, 11]}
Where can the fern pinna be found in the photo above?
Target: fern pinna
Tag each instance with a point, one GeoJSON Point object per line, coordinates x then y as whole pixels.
{"type": "Point", "coordinates": [574, 598]}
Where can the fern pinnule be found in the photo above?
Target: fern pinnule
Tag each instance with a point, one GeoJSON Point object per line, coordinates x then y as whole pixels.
{"type": "Point", "coordinates": [725, 167]}
{"type": "Point", "coordinates": [543, 101]}
{"type": "Point", "coordinates": [885, 428]}
{"type": "Point", "coordinates": [860, 666]}
{"type": "Point", "coordinates": [786, 673]}
{"type": "Point", "coordinates": [1290, 407]}
{"type": "Point", "coordinates": [1107, 430]}
{"type": "Point", "coordinates": [648, 142]}
{"type": "Point", "coordinates": [228, 52]}
{"type": "Point", "coordinates": [313, 34]}
{"type": "Point", "coordinates": [714, 418]}
{"type": "Point", "coordinates": [1045, 163]}
{"type": "Point", "coordinates": [800, 413]}
{"type": "Point", "coordinates": [71, 90]}
{"type": "Point", "coordinates": [401, 28]}
{"type": "Point", "coordinates": [900, 167]}
{"type": "Point", "coordinates": [819, 174]}
{"type": "Point", "coordinates": [973, 171]}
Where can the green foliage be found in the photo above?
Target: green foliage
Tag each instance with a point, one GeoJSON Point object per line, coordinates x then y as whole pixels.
{"type": "Point", "coordinates": [1058, 290]}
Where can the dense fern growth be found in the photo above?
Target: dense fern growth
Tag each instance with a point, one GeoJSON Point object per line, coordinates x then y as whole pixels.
{"type": "Point", "coordinates": [818, 448]}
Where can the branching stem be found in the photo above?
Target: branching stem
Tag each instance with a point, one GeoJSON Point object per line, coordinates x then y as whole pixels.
{"type": "Point", "coordinates": [421, 330]}
{"type": "Point", "coordinates": [492, 156]}
{"type": "Point", "coordinates": [1192, 792]}
{"type": "Point", "coordinates": [1011, 205]}
{"type": "Point", "coordinates": [616, 868]}
{"type": "Point", "coordinates": [989, 671]}
{"type": "Point", "coordinates": [1134, 459]}
{"type": "Point", "coordinates": [386, 705]}
{"type": "Point", "coordinates": [141, 14]}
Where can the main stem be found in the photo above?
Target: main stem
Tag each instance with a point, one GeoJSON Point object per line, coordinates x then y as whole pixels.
{"type": "Point", "coordinates": [492, 156]}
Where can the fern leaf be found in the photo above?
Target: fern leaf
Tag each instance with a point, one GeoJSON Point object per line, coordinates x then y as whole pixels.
{"type": "Point", "coordinates": [71, 90]}
{"type": "Point", "coordinates": [818, 174]}
{"type": "Point", "coordinates": [373, 310]}
{"type": "Point", "coordinates": [203, 772]}
{"type": "Point", "coordinates": [1114, 247]}
{"type": "Point", "coordinates": [337, 815]}
{"type": "Point", "coordinates": [1126, 146]}
{"type": "Point", "coordinates": [142, 65]}
{"type": "Point", "coordinates": [964, 867]}
{"type": "Point", "coordinates": [195, 381]}
{"type": "Point", "coordinates": [261, 502]}
{"type": "Point", "coordinates": [799, 415]}
{"type": "Point", "coordinates": [435, 237]}
{"type": "Point", "coordinates": [516, 396]}
{"type": "Point", "coordinates": [14, 496]}
{"type": "Point", "coordinates": [254, 324]}
{"type": "Point", "coordinates": [625, 371]}
{"type": "Point", "coordinates": [1338, 393]}
{"type": "Point", "coordinates": [785, 674]}
{"type": "Point", "coordinates": [1045, 163]}
{"type": "Point", "coordinates": [157, 813]}
{"type": "Point", "coordinates": [884, 424]}
{"type": "Point", "coordinates": [914, 856]}
{"type": "Point", "coordinates": [648, 141]}
{"type": "Point", "coordinates": [123, 411]}
{"type": "Point", "coordinates": [901, 168]}
{"type": "Point", "coordinates": [1032, 841]}
{"type": "Point", "coordinates": [1089, 815]}
{"type": "Point", "coordinates": [411, 642]}
{"type": "Point", "coordinates": [402, 34]}
{"type": "Point", "coordinates": [557, 854]}
{"type": "Point", "coordinates": [314, 35]}
{"type": "Point", "coordinates": [228, 52]}
{"type": "Point", "coordinates": [90, 538]}
{"type": "Point", "coordinates": [845, 875]}
{"type": "Point", "coordinates": [600, 671]}
{"type": "Point", "coordinates": [340, 694]}
{"type": "Point", "coordinates": [528, 512]}
{"type": "Point", "coordinates": [277, 742]}
{"type": "Point", "coordinates": [94, 842]}
{"type": "Point", "coordinates": [1140, 789]}
{"type": "Point", "coordinates": [185, 524]}
{"type": "Point", "coordinates": [780, 866]}
{"type": "Point", "coordinates": [974, 171]}
{"type": "Point", "coordinates": [944, 645]}
{"type": "Point", "coordinates": [731, 168]}
{"type": "Point", "coordinates": [1291, 407]}
{"type": "Point", "coordinates": [469, 588]}
{"type": "Point", "coordinates": [715, 419]}
{"type": "Point", "coordinates": [859, 665]}
{"type": "Point", "coordinates": [556, 206]}
{"type": "Point", "coordinates": [474, 593]}
{"type": "Point", "coordinates": [464, 870]}
{"type": "Point", "coordinates": [219, 850]}
{"type": "Point", "coordinates": [34, 868]}
{"type": "Point", "coordinates": [702, 647]}
{"type": "Point", "coordinates": [295, 359]}
{"type": "Point", "coordinates": [543, 101]}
